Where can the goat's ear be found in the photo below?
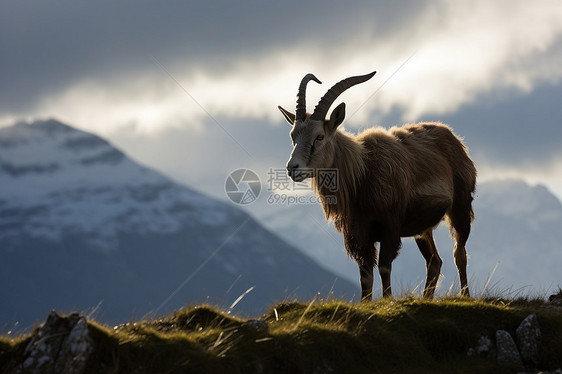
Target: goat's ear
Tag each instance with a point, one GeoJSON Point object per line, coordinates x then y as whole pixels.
{"type": "Point", "coordinates": [290, 117]}
{"type": "Point", "coordinates": [337, 116]}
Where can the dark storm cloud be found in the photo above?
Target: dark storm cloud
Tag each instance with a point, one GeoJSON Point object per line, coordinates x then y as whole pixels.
{"type": "Point", "coordinates": [517, 129]}
{"type": "Point", "coordinates": [47, 45]}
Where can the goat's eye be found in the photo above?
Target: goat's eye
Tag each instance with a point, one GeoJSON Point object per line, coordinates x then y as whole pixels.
{"type": "Point", "coordinates": [315, 142]}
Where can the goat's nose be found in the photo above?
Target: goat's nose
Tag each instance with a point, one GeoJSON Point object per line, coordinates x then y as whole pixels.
{"type": "Point", "coordinates": [291, 166]}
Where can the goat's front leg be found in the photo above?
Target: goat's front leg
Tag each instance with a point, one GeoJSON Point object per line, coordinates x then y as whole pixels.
{"type": "Point", "coordinates": [388, 252]}
{"type": "Point", "coordinates": [366, 274]}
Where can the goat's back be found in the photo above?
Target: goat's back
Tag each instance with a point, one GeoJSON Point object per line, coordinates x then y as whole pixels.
{"type": "Point", "coordinates": [406, 160]}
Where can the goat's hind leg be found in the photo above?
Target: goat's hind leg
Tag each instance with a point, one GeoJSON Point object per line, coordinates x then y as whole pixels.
{"type": "Point", "coordinates": [461, 221]}
{"type": "Point", "coordinates": [461, 261]}
{"type": "Point", "coordinates": [433, 262]}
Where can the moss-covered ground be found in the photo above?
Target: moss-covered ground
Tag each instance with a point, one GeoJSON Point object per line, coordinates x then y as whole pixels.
{"type": "Point", "coordinates": [409, 335]}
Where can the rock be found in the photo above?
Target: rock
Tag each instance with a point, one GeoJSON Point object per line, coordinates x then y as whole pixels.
{"type": "Point", "coordinates": [75, 349]}
{"type": "Point", "coordinates": [507, 352]}
{"type": "Point", "coordinates": [61, 345]}
{"type": "Point", "coordinates": [484, 347]}
{"type": "Point", "coordinates": [528, 336]}
{"type": "Point", "coordinates": [556, 299]}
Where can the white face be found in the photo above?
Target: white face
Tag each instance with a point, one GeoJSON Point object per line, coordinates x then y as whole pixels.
{"type": "Point", "coordinates": [309, 140]}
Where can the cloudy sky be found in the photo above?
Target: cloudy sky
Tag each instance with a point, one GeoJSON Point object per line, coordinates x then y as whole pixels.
{"type": "Point", "coordinates": [192, 88]}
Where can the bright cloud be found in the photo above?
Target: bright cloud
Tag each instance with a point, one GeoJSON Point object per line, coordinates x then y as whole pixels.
{"type": "Point", "coordinates": [474, 47]}
{"type": "Point", "coordinates": [458, 50]}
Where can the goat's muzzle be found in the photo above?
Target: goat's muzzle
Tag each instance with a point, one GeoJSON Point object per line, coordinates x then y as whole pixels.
{"type": "Point", "coordinates": [297, 174]}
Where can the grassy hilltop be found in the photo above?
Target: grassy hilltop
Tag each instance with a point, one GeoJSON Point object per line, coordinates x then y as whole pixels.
{"type": "Point", "coordinates": [408, 335]}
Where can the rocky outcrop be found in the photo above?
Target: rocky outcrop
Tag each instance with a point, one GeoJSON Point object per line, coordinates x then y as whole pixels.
{"type": "Point", "coordinates": [524, 354]}
{"type": "Point", "coordinates": [507, 353]}
{"type": "Point", "coordinates": [61, 345]}
{"type": "Point", "coordinates": [528, 336]}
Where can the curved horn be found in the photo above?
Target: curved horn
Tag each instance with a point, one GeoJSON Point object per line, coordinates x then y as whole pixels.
{"type": "Point", "coordinates": [337, 89]}
{"type": "Point", "coordinates": [301, 96]}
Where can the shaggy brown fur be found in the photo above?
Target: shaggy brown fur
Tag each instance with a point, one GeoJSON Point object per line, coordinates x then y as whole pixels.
{"type": "Point", "coordinates": [397, 183]}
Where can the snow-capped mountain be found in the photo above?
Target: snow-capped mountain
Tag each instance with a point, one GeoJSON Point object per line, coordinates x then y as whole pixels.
{"type": "Point", "coordinates": [81, 224]}
{"type": "Point", "coordinates": [57, 180]}
{"type": "Point", "coordinates": [516, 228]}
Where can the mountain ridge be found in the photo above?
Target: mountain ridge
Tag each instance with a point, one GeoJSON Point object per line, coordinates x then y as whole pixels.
{"type": "Point", "coordinates": [103, 229]}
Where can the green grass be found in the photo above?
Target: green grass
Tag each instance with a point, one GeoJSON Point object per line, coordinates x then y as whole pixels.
{"type": "Point", "coordinates": [408, 335]}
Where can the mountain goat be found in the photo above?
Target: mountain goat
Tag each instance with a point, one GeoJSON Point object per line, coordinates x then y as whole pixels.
{"type": "Point", "coordinates": [391, 183]}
